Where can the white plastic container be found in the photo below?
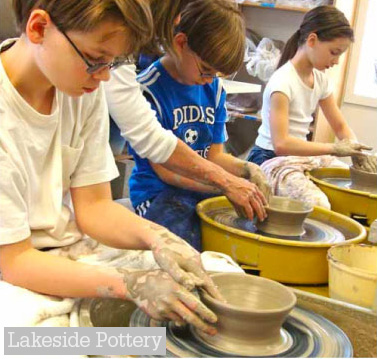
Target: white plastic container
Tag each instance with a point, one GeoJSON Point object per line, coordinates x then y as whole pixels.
{"type": "Point", "coordinates": [353, 274]}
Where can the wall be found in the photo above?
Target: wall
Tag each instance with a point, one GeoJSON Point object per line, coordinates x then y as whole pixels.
{"type": "Point", "coordinates": [362, 119]}
{"type": "Point", "coordinates": [7, 21]}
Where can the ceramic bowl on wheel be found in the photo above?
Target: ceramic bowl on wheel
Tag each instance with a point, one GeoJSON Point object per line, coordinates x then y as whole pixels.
{"type": "Point", "coordinates": [251, 319]}
{"type": "Point", "coordinates": [363, 181]}
{"type": "Point", "coordinates": [285, 217]}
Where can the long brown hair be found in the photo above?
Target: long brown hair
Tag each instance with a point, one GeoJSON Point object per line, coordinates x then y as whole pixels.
{"type": "Point", "coordinates": [85, 15]}
{"type": "Point", "coordinates": [327, 22]}
{"type": "Point", "coordinates": [215, 31]}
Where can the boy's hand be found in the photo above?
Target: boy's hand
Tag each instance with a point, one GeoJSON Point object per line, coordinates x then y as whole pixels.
{"type": "Point", "coordinates": [162, 298]}
{"type": "Point", "coordinates": [255, 175]}
{"type": "Point", "coordinates": [181, 261]}
{"type": "Point", "coordinates": [347, 147]}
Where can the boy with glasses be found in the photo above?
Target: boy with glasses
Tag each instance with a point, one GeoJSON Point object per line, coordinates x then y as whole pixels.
{"type": "Point", "coordinates": [56, 164]}
{"type": "Point", "coordinates": [185, 90]}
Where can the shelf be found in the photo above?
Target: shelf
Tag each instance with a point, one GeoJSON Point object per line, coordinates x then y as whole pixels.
{"type": "Point", "coordinates": [245, 116]}
{"type": "Point", "coordinates": [232, 87]}
{"type": "Point", "coordinates": [275, 7]}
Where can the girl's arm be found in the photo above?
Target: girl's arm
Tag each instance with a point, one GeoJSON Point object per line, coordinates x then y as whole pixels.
{"type": "Point", "coordinates": [177, 180]}
{"type": "Point", "coordinates": [344, 132]}
{"type": "Point", "coordinates": [335, 119]}
{"type": "Point", "coordinates": [284, 144]}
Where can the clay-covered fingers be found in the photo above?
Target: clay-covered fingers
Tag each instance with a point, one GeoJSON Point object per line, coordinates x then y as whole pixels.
{"type": "Point", "coordinates": [241, 212]}
{"type": "Point", "coordinates": [258, 177]}
{"type": "Point", "coordinates": [261, 197]}
{"type": "Point", "coordinates": [258, 201]}
{"type": "Point", "coordinates": [365, 162]}
{"type": "Point", "coordinates": [208, 283]}
{"type": "Point", "coordinates": [369, 163]}
{"type": "Point", "coordinates": [373, 163]}
{"type": "Point", "coordinates": [266, 190]}
{"type": "Point", "coordinates": [347, 147]}
{"type": "Point", "coordinates": [194, 312]}
{"type": "Point", "coordinates": [172, 266]}
{"type": "Point", "coordinates": [173, 317]}
{"type": "Point", "coordinates": [259, 208]}
{"type": "Point", "coordinates": [362, 147]}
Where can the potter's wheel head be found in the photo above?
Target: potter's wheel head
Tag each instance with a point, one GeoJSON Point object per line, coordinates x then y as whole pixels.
{"type": "Point", "coordinates": [312, 337]}
{"type": "Point", "coordinates": [251, 319]}
{"type": "Point", "coordinates": [285, 217]}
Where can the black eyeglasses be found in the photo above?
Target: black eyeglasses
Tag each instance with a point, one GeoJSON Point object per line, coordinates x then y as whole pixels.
{"type": "Point", "coordinates": [93, 68]}
{"type": "Point", "coordinates": [206, 75]}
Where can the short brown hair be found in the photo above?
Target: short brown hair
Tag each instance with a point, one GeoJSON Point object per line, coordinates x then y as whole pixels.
{"type": "Point", "coordinates": [216, 33]}
{"type": "Point", "coordinates": [85, 15]}
{"type": "Point", "coordinates": [164, 13]}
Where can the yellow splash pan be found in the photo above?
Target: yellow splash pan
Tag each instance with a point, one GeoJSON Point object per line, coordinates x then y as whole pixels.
{"type": "Point", "coordinates": [358, 205]}
{"type": "Point", "coordinates": [287, 261]}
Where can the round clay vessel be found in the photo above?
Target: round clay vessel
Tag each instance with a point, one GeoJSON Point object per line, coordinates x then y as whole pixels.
{"type": "Point", "coordinates": [285, 217]}
{"type": "Point", "coordinates": [363, 181]}
{"type": "Point", "coordinates": [250, 321]}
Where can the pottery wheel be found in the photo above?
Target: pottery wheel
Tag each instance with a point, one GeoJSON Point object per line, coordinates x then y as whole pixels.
{"type": "Point", "coordinates": [346, 183]}
{"type": "Point", "coordinates": [315, 231]}
{"type": "Point", "coordinates": [310, 335]}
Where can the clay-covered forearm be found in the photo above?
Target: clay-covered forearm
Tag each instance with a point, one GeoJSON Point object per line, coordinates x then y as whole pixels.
{"type": "Point", "coordinates": [29, 268]}
{"type": "Point", "coordinates": [109, 222]}
{"type": "Point", "coordinates": [180, 181]}
{"type": "Point", "coordinates": [231, 164]}
{"type": "Point", "coordinates": [188, 163]}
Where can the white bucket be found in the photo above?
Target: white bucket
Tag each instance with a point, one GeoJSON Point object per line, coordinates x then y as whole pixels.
{"type": "Point", "coordinates": [353, 274]}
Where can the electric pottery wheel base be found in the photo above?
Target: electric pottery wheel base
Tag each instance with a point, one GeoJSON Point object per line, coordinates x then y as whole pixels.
{"type": "Point", "coordinates": [297, 260]}
{"type": "Point", "coordinates": [350, 197]}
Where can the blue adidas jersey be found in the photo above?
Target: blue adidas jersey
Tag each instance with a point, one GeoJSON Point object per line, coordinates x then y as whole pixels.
{"type": "Point", "coordinates": [194, 113]}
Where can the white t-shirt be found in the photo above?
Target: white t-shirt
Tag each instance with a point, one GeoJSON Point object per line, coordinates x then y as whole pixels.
{"type": "Point", "coordinates": [135, 118]}
{"type": "Point", "coordinates": [42, 156]}
{"type": "Point", "coordinates": [303, 101]}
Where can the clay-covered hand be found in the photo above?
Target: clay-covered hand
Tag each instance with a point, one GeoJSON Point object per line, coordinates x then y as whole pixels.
{"type": "Point", "coordinates": [246, 198]}
{"type": "Point", "coordinates": [181, 261]}
{"type": "Point", "coordinates": [162, 298]}
{"type": "Point", "coordinates": [255, 175]}
{"type": "Point", "coordinates": [365, 162]}
{"type": "Point", "coordinates": [347, 147]}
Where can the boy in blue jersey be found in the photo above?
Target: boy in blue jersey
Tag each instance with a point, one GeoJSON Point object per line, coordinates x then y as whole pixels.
{"type": "Point", "coordinates": [185, 90]}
